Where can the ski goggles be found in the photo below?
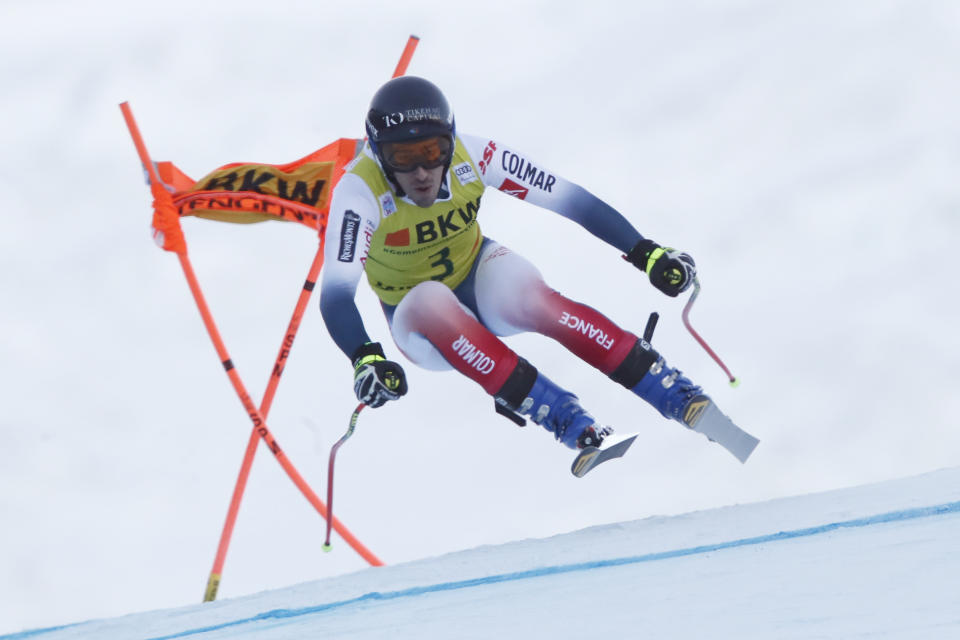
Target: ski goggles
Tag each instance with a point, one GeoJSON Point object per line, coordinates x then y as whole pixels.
{"type": "Point", "coordinates": [428, 153]}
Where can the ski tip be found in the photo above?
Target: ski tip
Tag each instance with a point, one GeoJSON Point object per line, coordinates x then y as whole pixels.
{"type": "Point", "coordinates": [585, 461]}
{"type": "Point", "coordinates": [589, 457]}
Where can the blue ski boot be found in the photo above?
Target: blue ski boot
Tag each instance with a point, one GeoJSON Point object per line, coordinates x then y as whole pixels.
{"type": "Point", "coordinates": [559, 412]}
{"type": "Point", "coordinates": [671, 393]}
{"type": "Point", "coordinates": [645, 373]}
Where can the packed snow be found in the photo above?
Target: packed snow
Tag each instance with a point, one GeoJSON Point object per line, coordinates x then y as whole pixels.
{"type": "Point", "coordinates": [871, 562]}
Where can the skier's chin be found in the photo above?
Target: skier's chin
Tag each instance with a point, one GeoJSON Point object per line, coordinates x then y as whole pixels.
{"type": "Point", "coordinates": [424, 199]}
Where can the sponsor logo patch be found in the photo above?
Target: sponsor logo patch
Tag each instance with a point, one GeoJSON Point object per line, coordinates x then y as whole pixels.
{"type": "Point", "coordinates": [695, 412]}
{"type": "Point", "coordinates": [367, 237]}
{"type": "Point", "coordinates": [473, 356]}
{"type": "Point", "coordinates": [520, 167]}
{"type": "Point", "coordinates": [588, 329]}
{"type": "Point", "coordinates": [398, 238]}
{"type": "Point", "coordinates": [488, 152]}
{"type": "Point", "coordinates": [413, 115]}
{"type": "Point", "coordinates": [464, 173]}
{"type": "Point", "coordinates": [496, 253]}
{"type": "Point", "coordinates": [584, 462]}
{"type": "Point", "coordinates": [511, 188]}
{"type": "Point", "coordinates": [388, 204]}
{"type": "Point", "coordinates": [427, 232]}
{"type": "Point", "coordinates": [348, 236]}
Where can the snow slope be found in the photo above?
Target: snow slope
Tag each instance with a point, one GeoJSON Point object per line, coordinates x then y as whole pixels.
{"type": "Point", "coordinates": [806, 153]}
{"type": "Point", "coordinates": [873, 562]}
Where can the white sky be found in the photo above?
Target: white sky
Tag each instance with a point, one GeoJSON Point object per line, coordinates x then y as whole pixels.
{"type": "Point", "coordinates": [805, 153]}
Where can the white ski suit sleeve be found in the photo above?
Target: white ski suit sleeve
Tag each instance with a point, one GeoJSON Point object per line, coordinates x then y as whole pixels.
{"type": "Point", "coordinates": [514, 173]}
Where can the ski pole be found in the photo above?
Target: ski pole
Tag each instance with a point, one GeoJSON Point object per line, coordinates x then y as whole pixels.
{"type": "Point", "coordinates": [333, 456]}
{"type": "Point", "coordinates": [734, 382]}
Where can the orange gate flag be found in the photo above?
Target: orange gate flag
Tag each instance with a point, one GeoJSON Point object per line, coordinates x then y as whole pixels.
{"type": "Point", "coordinates": [244, 192]}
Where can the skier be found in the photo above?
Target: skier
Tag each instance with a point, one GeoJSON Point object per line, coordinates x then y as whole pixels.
{"type": "Point", "coordinates": [405, 213]}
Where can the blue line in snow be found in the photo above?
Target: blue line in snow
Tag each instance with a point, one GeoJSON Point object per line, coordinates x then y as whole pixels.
{"type": "Point", "coordinates": [894, 516]}
{"type": "Point", "coordinates": [36, 632]}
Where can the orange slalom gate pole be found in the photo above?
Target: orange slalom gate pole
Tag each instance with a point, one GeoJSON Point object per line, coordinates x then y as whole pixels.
{"type": "Point", "coordinates": [255, 415]}
{"type": "Point", "coordinates": [216, 573]}
{"type": "Point", "coordinates": [213, 582]}
{"type": "Point", "coordinates": [405, 57]}
{"type": "Point", "coordinates": [259, 422]}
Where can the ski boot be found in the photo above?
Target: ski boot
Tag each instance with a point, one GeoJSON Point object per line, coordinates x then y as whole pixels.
{"type": "Point", "coordinates": [672, 394]}
{"type": "Point", "coordinates": [559, 412]}
{"type": "Point", "coordinates": [675, 396]}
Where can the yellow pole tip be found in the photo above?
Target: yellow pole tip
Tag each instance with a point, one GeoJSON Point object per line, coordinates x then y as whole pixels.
{"type": "Point", "coordinates": [327, 547]}
{"type": "Point", "coordinates": [735, 383]}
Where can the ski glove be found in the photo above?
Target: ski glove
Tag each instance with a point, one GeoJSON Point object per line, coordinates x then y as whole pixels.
{"type": "Point", "coordinates": [376, 379]}
{"type": "Point", "coordinates": [670, 270]}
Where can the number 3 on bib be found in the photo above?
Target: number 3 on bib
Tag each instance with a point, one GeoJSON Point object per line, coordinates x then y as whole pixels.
{"type": "Point", "coordinates": [443, 262]}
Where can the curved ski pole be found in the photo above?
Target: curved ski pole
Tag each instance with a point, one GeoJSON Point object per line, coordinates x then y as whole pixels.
{"type": "Point", "coordinates": [734, 382]}
{"type": "Point", "coordinates": [333, 456]}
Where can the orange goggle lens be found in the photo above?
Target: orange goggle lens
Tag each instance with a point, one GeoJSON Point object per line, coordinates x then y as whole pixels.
{"type": "Point", "coordinates": [428, 153]}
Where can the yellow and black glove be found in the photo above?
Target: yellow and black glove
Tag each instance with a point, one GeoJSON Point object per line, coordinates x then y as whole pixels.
{"type": "Point", "coordinates": [376, 380]}
{"type": "Point", "coordinates": [670, 271]}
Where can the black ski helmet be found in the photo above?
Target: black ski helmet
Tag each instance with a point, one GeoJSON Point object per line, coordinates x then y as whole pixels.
{"type": "Point", "coordinates": [408, 108]}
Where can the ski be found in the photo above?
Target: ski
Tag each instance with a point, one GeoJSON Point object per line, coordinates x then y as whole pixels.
{"type": "Point", "coordinates": [704, 417]}
{"type": "Point", "coordinates": [589, 457]}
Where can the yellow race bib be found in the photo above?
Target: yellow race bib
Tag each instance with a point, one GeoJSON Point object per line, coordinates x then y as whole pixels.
{"type": "Point", "coordinates": [413, 244]}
